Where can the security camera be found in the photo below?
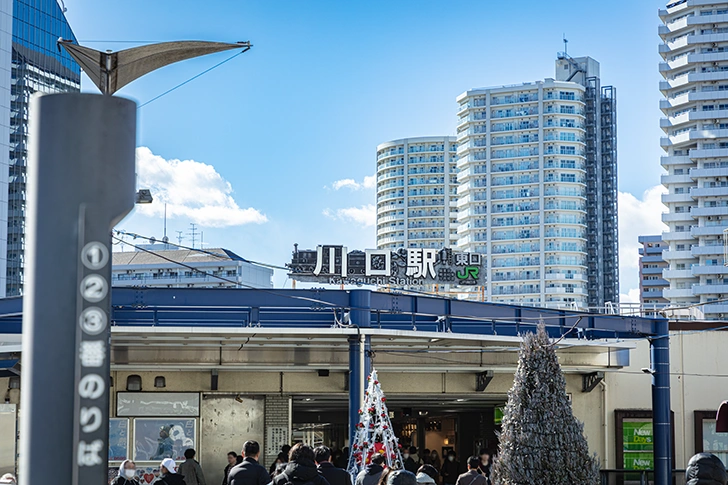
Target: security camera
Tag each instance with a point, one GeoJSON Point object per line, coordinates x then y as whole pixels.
{"type": "Point", "coordinates": [647, 370]}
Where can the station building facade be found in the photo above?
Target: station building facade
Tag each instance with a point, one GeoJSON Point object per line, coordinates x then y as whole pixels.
{"type": "Point", "coordinates": [179, 380]}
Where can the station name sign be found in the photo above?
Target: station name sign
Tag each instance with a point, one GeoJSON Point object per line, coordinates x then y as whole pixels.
{"type": "Point", "coordinates": [402, 267]}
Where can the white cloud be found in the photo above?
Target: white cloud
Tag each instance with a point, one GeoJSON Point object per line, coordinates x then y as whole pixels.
{"type": "Point", "coordinates": [369, 182]}
{"type": "Point", "coordinates": [632, 296]}
{"type": "Point", "coordinates": [192, 190]}
{"type": "Point", "coordinates": [637, 217]}
{"type": "Point", "coordinates": [365, 215]}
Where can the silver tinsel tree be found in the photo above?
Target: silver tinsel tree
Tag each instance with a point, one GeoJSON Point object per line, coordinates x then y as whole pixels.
{"type": "Point", "coordinates": [541, 441]}
{"type": "Point", "coordinates": [374, 433]}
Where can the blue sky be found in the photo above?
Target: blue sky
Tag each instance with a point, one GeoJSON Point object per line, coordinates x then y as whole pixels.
{"type": "Point", "coordinates": [268, 133]}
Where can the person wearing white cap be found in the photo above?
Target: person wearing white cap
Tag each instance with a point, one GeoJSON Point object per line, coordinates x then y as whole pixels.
{"type": "Point", "coordinates": [127, 474]}
{"type": "Point", "coordinates": [169, 475]}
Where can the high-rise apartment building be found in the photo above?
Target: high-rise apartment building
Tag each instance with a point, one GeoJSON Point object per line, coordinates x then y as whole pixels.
{"type": "Point", "coordinates": [416, 193]}
{"type": "Point", "coordinates": [30, 61]}
{"type": "Point", "coordinates": [695, 104]}
{"type": "Point", "coordinates": [537, 191]}
{"type": "Point", "coordinates": [652, 283]}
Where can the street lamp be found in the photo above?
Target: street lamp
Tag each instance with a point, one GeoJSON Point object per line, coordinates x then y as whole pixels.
{"type": "Point", "coordinates": [144, 196]}
{"type": "Point", "coordinates": [81, 161]}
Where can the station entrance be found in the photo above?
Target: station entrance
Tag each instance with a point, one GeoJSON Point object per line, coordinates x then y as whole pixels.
{"type": "Point", "coordinates": [442, 423]}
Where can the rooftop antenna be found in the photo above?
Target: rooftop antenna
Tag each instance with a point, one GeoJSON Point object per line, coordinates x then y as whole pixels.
{"type": "Point", "coordinates": [566, 44]}
{"type": "Point", "coordinates": [165, 239]}
{"type": "Point", "coordinates": [179, 237]}
{"type": "Point", "coordinates": [193, 233]}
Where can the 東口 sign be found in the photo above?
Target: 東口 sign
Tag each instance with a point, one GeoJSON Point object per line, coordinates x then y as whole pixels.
{"type": "Point", "coordinates": [403, 267]}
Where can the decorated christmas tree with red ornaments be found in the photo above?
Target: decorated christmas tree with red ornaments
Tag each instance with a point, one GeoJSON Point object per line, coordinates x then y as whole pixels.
{"type": "Point", "coordinates": [374, 433]}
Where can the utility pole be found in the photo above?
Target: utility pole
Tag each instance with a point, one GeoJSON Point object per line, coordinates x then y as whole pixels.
{"type": "Point", "coordinates": [179, 237]}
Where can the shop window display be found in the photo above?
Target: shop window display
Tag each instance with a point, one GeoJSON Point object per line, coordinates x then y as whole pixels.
{"type": "Point", "coordinates": [155, 439]}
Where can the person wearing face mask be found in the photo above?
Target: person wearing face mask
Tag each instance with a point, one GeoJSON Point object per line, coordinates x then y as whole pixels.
{"type": "Point", "coordinates": [450, 469]}
{"type": "Point", "coordinates": [127, 474]}
{"type": "Point", "coordinates": [409, 456]}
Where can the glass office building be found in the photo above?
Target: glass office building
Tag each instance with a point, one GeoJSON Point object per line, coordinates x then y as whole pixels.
{"type": "Point", "coordinates": [32, 64]}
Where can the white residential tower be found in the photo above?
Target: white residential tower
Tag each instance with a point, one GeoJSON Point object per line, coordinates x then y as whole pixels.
{"type": "Point", "coordinates": [695, 104]}
{"type": "Point", "coordinates": [416, 193]}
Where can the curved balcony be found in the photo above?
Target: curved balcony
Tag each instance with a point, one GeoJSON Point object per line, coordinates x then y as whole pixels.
{"type": "Point", "coordinates": [390, 218]}
{"type": "Point", "coordinates": [391, 240]}
{"type": "Point", "coordinates": [388, 230]}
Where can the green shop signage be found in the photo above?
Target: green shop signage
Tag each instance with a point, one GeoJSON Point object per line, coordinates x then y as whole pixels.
{"type": "Point", "coordinates": [638, 445]}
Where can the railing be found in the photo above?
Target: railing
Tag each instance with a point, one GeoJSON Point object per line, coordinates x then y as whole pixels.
{"type": "Point", "coordinates": [637, 477]}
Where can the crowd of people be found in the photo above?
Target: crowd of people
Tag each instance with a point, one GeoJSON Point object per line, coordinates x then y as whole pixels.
{"type": "Point", "coordinates": [304, 465]}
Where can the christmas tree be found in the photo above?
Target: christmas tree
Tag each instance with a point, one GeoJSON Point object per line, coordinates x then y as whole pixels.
{"type": "Point", "coordinates": [374, 433]}
{"type": "Point", "coordinates": [541, 441]}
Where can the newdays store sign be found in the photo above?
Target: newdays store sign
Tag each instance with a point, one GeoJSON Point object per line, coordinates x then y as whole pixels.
{"type": "Point", "coordinates": [403, 267]}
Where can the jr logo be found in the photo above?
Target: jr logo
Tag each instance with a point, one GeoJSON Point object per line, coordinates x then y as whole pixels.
{"type": "Point", "coordinates": [469, 271]}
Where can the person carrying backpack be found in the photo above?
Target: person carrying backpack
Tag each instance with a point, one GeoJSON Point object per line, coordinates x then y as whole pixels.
{"type": "Point", "coordinates": [301, 468]}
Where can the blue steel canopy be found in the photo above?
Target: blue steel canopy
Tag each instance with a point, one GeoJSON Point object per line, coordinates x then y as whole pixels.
{"type": "Point", "coordinates": [228, 307]}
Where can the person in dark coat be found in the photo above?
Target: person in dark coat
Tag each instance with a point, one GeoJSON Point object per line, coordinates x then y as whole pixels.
{"type": "Point", "coordinates": [410, 462]}
{"type": "Point", "coordinates": [301, 468]}
{"type": "Point", "coordinates": [342, 461]}
{"type": "Point", "coordinates": [450, 469]}
{"type": "Point", "coordinates": [705, 469]}
{"type": "Point", "coordinates": [435, 460]}
{"type": "Point", "coordinates": [249, 472]}
{"type": "Point", "coordinates": [485, 464]}
{"type": "Point", "coordinates": [373, 472]}
{"type": "Point", "coordinates": [232, 459]}
{"type": "Point", "coordinates": [401, 477]}
{"type": "Point", "coordinates": [472, 476]}
{"type": "Point", "coordinates": [280, 460]}
{"type": "Point", "coordinates": [168, 474]}
{"type": "Point", "coordinates": [333, 475]}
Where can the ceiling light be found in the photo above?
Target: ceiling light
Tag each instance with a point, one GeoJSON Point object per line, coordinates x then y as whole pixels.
{"type": "Point", "coordinates": [461, 400]}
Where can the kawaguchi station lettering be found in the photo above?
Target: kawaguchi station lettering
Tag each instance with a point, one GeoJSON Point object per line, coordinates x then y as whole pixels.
{"type": "Point", "coordinates": [403, 267]}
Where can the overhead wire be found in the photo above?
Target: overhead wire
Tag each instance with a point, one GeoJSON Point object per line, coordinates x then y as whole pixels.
{"type": "Point", "coordinates": [516, 320]}
{"type": "Point", "coordinates": [193, 78]}
{"type": "Point", "coordinates": [222, 278]}
{"type": "Point", "coordinates": [199, 250]}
